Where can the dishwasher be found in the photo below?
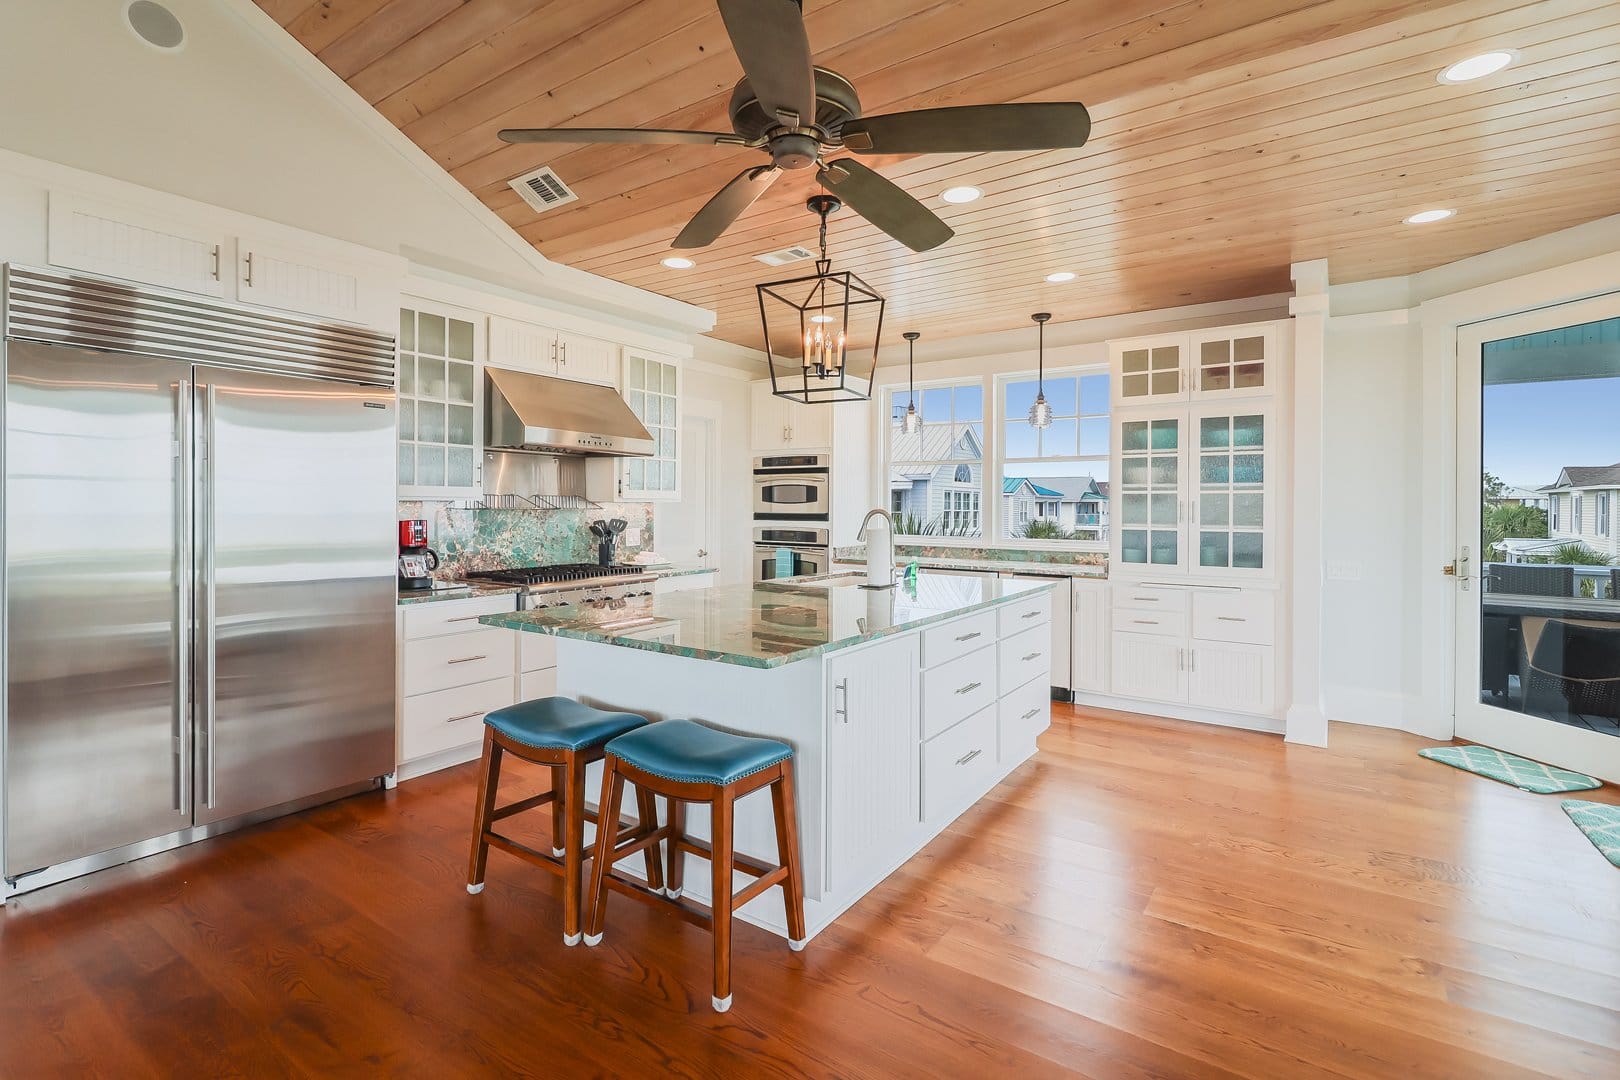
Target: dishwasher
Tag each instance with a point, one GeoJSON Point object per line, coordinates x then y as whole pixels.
{"type": "Point", "coordinates": [1062, 627]}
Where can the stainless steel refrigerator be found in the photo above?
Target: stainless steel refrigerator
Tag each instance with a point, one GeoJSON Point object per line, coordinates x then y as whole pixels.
{"type": "Point", "coordinates": [199, 568]}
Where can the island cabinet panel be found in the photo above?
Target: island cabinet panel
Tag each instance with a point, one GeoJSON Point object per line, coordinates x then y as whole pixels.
{"type": "Point", "coordinates": [871, 761]}
{"type": "Point", "coordinates": [959, 766]}
{"type": "Point", "coordinates": [954, 691]}
{"type": "Point", "coordinates": [1035, 611]}
{"type": "Point", "coordinates": [1022, 715]}
{"type": "Point", "coordinates": [1024, 656]}
{"type": "Point", "coordinates": [958, 637]}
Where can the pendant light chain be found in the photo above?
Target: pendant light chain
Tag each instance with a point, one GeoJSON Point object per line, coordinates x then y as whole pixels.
{"type": "Point", "coordinates": [1040, 413]}
{"type": "Point", "coordinates": [913, 420]}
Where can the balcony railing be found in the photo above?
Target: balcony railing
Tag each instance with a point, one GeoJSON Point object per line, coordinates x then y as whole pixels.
{"type": "Point", "coordinates": [1595, 582]}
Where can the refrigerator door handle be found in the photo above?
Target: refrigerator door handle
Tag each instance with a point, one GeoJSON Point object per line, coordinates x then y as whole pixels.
{"type": "Point", "coordinates": [205, 598]}
{"type": "Point", "coordinates": [184, 482]}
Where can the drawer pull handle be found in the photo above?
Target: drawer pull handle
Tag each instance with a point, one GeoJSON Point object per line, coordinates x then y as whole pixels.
{"type": "Point", "coordinates": [467, 659]}
{"type": "Point", "coordinates": [1146, 599]}
{"type": "Point", "coordinates": [1032, 712]}
{"type": "Point", "coordinates": [463, 716]}
{"type": "Point", "coordinates": [1032, 656]}
{"type": "Point", "coordinates": [464, 618]}
{"type": "Point", "coordinates": [1230, 618]}
{"type": "Point", "coordinates": [965, 758]}
{"type": "Point", "coordinates": [970, 637]}
{"type": "Point", "coordinates": [1146, 622]}
{"type": "Point", "coordinates": [969, 688]}
{"type": "Point", "coordinates": [1031, 614]}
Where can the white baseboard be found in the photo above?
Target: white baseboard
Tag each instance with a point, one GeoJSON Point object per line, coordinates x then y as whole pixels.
{"type": "Point", "coordinates": [410, 770]}
{"type": "Point", "coordinates": [1385, 709]}
{"type": "Point", "coordinates": [1271, 725]}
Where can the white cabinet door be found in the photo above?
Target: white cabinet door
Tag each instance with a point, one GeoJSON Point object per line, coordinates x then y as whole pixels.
{"type": "Point", "coordinates": [1151, 462]}
{"type": "Point", "coordinates": [522, 346]}
{"type": "Point", "coordinates": [809, 427]}
{"type": "Point", "coordinates": [1230, 471]}
{"type": "Point", "coordinates": [1150, 667]}
{"type": "Point", "coordinates": [1149, 369]}
{"type": "Point", "coordinates": [587, 359]}
{"type": "Point", "coordinates": [1223, 675]}
{"type": "Point", "coordinates": [768, 419]}
{"type": "Point", "coordinates": [441, 406]}
{"type": "Point", "coordinates": [872, 760]}
{"type": "Point", "coordinates": [124, 243]}
{"type": "Point", "coordinates": [1232, 361]}
{"type": "Point", "coordinates": [652, 390]}
{"type": "Point", "coordinates": [293, 280]}
{"type": "Point", "coordinates": [1089, 670]}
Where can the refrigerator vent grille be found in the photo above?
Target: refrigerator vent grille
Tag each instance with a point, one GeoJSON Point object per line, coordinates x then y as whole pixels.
{"type": "Point", "coordinates": [97, 313]}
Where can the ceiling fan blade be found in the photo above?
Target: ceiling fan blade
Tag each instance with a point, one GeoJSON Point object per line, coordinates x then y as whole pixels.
{"type": "Point", "coordinates": [769, 39]}
{"type": "Point", "coordinates": [726, 207]}
{"type": "Point", "coordinates": [885, 205]}
{"type": "Point", "coordinates": [619, 135]}
{"type": "Point", "coordinates": [971, 129]}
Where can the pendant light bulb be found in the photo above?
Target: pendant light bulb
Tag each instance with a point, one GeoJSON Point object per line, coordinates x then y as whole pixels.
{"type": "Point", "coordinates": [913, 419]}
{"type": "Point", "coordinates": [1040, 413]}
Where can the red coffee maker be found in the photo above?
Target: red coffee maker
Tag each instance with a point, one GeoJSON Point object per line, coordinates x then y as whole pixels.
{"type": "Point", "coordinates": [417, 561]}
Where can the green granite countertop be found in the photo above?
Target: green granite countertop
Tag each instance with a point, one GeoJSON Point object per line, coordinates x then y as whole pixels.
{"type": "Point", "coordinates": [453, 590]}
{"type": "Point", "coordinates": [857, 557]}
{"type": "Point", "coordinates": [768, 624]}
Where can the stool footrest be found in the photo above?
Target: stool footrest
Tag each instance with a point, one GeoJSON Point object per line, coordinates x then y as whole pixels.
{"type": "Point", "coordinates": [745, 863]}
{"type": "Point", "coordinates": [545, 798]}
{"type": "Point", "coordinates": [757, 886]}
{"type": "Point", "coordinates": [692, 912]}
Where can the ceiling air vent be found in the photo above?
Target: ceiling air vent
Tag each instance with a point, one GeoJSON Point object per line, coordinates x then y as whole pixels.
{"type": "Point", "coordinates": [543, 189]}
{"type": "Point", "coordinates": [786, 255]}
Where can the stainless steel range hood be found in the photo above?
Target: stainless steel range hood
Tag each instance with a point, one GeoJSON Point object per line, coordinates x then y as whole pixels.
{"type": "Point", "coordinates": [541, 414]}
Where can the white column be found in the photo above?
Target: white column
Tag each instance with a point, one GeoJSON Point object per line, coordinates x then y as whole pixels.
{"type": "Point", "coordinates": [1305, 722]}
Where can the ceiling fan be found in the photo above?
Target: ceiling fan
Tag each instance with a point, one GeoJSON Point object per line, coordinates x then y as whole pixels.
{"type": "Point", "coordinates": [799, 113]}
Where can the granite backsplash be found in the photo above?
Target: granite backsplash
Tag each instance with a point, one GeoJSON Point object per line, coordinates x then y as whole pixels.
{"type": "Point", "coordinates": [988, 554]}
{"type": "Point", "coordinates": [490, 539]}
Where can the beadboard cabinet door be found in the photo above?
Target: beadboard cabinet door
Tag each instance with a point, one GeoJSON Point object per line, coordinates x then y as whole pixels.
{"type": "Point", "coordinates": [872, 760]}
{"type": "Point", "coordinates": [1149, 666]}
{"type": "Point", "coordinates": [121, 242]}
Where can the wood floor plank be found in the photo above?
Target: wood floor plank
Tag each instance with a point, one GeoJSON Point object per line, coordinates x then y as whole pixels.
{"type": "Point", "coordinates": [1146, 898]}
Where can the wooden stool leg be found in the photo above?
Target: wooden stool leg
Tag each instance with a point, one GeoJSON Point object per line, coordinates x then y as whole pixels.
{"type": "Point", "coordinates": [787, 853]}
{"type": "Point", "coordinates": [720, 840]}
{"type": "Point", "coordinates": [647, 811]}
{"type": "Point", "coordinates": [676, 877]}
{"type": "Point", "coordinates": [573, 846]}
{"type": "Point", "coordinates": [489, 776]}
{"type": "Point", "coordinates": [607, 838]}
{"type": "Point", "coordinates": [559, 811]}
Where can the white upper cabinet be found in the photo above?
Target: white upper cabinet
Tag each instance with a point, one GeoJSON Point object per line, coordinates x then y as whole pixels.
{"type": "Point", "coordinates": [1232, 361]}
{"type": "Point", "coordinates": [441, 403]}
{"type": "Point", "coordinates": [781, 424]}
{"type": "Point", "coordinates": [123, 243]}
{"type": "Point", "coordinates": [293, 280]}
{"type": "Point", "coordinates": [652, 389]}
{"type": "Point", "coordinates": [526, 346]}
{"type": "Point", "coordinates": [1149, 369]}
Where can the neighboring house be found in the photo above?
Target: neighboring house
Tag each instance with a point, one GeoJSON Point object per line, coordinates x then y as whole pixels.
{"type": "Point", "coordinates": [1076, 503]}
{"type": "Point", "coordinates": [1584, 505]}
{"type": "Point", "coordinates": [935, 481]}
{"type": "Point", "coordinates": [1521, 496]}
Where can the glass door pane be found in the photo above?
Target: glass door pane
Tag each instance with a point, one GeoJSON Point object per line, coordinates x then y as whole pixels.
{"type": "Point", "coordinates": [1231, 491]}
{"type": "Point", "coordinates": [1150, 490]}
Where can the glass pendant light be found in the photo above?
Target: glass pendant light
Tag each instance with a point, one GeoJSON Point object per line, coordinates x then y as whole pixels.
{"type": "Point", "coordinates": [1040, 413]}
{"type": "Point", "coordinates": [913, 421]}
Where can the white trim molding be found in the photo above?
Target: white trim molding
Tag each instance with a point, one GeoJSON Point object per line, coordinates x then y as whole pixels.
{"type": "Point", "coordinates": [1305, 720]}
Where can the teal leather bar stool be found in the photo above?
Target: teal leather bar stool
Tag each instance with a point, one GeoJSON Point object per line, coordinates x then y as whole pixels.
{"type": "Point", "coordinates": [565, 736]}
{"type": "Point", "coordinates": [689, 762]}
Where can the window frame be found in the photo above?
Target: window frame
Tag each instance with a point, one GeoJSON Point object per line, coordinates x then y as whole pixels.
{"type": "Point", "coordinates": [1002, 381]}
{"type": "Point", "coordinates": [886, 395]}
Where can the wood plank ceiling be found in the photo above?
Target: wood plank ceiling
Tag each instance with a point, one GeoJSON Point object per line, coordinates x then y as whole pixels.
{"type": "Point", "coordinates": [1229, 139]}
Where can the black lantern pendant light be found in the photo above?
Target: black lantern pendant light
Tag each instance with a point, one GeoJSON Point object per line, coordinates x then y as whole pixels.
{"type": "Point", "coordinates": [814, 324]}
{"type": "Point", "coordinates": [913, 421]}
{"type": "Point", "coordinates": [1040, 413]}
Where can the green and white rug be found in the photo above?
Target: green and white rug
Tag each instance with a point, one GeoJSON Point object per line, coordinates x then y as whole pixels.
{"type": "Point", "coordinates": [1601, 824]}
{"type": "Point", "coordinates": [1521, 772]}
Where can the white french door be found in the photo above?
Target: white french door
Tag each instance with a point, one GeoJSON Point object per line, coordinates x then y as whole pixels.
{"type": "Point", "coordinates": [1537, 613]}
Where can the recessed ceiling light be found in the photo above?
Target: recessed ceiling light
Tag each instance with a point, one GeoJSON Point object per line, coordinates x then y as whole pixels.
{"type": "Point", "coordinates": [676, 262]}
{"type": "Point", "coordinates": [823, 318]}
{"type": "Point", "coordinates": [1477, 67]}
{"type": "Point", "coordinates": [1423, 217]}
{"type": "Point", "coordinates": [1062, 276]}
{"type": "Point", "coordinates": [154, 24]}
{"type": "Point", "coordinates": [961, 194]}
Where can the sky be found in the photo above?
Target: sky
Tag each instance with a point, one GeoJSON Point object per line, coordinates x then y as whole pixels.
{"type": "Point", "coordinates": [1533, 429]}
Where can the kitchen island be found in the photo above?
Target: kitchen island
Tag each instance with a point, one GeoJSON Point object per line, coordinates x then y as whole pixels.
{"type": "Point", "coordinates": [904, 706]}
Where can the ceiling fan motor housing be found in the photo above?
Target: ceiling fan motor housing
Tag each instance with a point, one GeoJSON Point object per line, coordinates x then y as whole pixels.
{"type": "Point", "coordinates": [836, 102]}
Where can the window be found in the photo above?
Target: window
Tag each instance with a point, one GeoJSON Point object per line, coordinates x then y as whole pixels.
{"type": "Point", "coordinates": [1576, 523]}
{"type": "Point", "coordinates": [1603, 513]}
{"type": "Point", "coordinates": [1055, 479]}
{"type": "Point", "coordinates": [936, 475]}
{"type": "Point", "coordinates": [1552, 505]}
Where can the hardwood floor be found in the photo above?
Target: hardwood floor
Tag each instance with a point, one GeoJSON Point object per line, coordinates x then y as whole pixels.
{"type": "Point", "coordinates": [1145, 898]}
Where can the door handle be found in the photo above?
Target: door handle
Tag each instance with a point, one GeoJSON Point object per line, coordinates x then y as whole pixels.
{"type": "Point", "coordinates": [965, 758]}
{"type": "Point", "coordinates": [184, 571]}
{"type": "Point", "coordinates": [467, 659]}
{"type": "Point", "coordinates": [1032, 656]}
{"type": "Point", "coordinates": [1030, 615]}
{"type": "Point", "coordinates": [463, 716]}
{"type": "Point", "coordinates": [970, 687]}
{"type": "Point", "coordinates": [208, 631]}
{"type": "Point", "coordinates": [841, 706]}
{"type": "Point", "coordinates": [970, 637]}
{"type": "Point", "coordinates": [249, 281]}
{"type": "Point", "coordinates": [1032, 712]}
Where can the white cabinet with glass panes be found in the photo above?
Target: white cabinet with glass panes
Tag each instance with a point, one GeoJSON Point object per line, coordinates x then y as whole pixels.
{"type": "Point", "coordinates": [1148, 528]}
{"type": "Point", "coordinates": [1230, 516]}
{"type": "Point", "coordinates": [440, 409]}
{"type": "Point", "coordinates": [1149, 369]}
{"type": "Point", "coordinates": [936, 474]}
{"type": "Point", "coordinates": [1232, 361]}
{"type": "Point", "coordinates": [651, 387]}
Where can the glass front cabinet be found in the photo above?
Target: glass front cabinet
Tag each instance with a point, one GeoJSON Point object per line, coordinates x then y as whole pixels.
{"type": "Point", "coordinates": [651, 387]}
{"type": "Point", "coordinates": [440, 408]}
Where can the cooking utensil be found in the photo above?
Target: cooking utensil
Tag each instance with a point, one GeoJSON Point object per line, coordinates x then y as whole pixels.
{"type": "Point", "coordinates": [618, 525]}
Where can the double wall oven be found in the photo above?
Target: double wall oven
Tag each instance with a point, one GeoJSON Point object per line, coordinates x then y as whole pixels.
{"type": "Point", "coordinates": [792, 515]}
{"type": "Point", "coordinates": [790, 551]}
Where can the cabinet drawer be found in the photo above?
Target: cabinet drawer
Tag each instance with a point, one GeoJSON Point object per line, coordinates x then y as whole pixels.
{"type": "Point", "coordinates": [536, 651]}
{"type": "Point", "coordinates": [952, 639]}
{"type": "Point", "coordinates": [959, 766]}
{"type": "Point", "coordinates": [958, 690]}
{"type": "Point", "coordinates": [1137, 621]}
{"type": "Point", "coordinates": [1023, 614]}
{"type": "Point", "coordinates": [458, 660]}
{"type": "Point", "coordinates": [453, 616]}
{"type": "Point", "coordinates": [1024, 657]}
{"type": "Point", "coordinates": [445, 719]}
{"type": "Point", "coordinates": [1148, 598]}
{"type": "Point", "coordinates": [1021, 715]}
{"type": "Point", "coordinates": [537, 684]}
{"type": "Point", "coordinates": [1247, 617]}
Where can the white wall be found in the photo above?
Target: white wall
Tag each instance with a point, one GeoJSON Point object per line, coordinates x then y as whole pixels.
{"type": "Point", "coordinates": [722, 392]}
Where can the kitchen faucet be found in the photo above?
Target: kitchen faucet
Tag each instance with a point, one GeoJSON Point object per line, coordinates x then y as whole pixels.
{"type": "Point", "coordinates": [875, 578]}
